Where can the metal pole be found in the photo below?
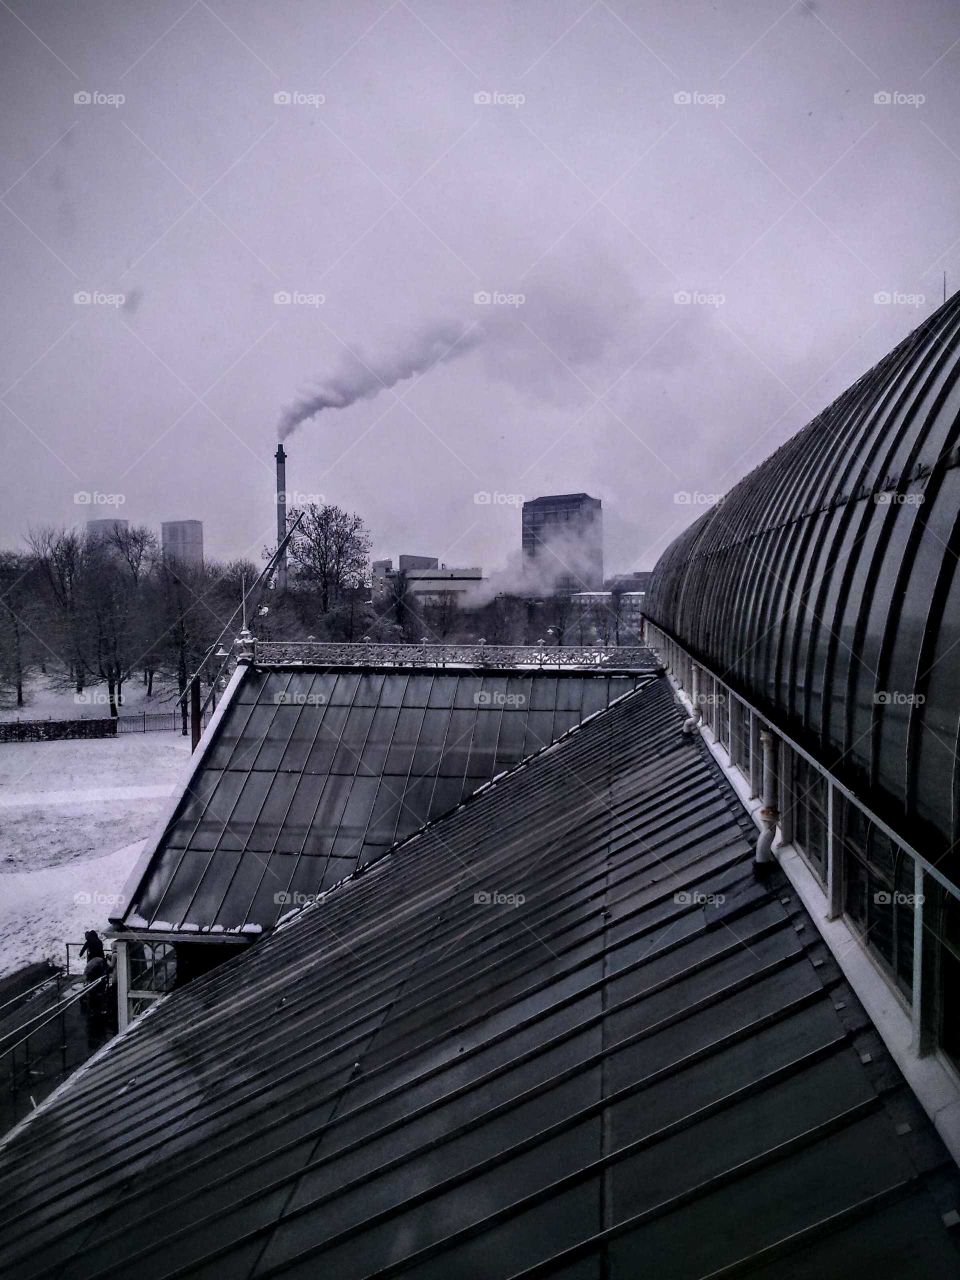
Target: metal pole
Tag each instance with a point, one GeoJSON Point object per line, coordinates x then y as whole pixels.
{"type": "Point", "coordinates": [195, 711]}
{"type": "Point", "coordinates": [121, 952]}
{"type": "Point", "coordinates": [769, 812]}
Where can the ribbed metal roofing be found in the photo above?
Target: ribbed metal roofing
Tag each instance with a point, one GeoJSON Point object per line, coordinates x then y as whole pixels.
{"type": "Point", "coordinates": [824, 586]}
{"type": "Point", "coordinates": [312, 772]}
{"type": "Point", "coordinates": [563, 1032]}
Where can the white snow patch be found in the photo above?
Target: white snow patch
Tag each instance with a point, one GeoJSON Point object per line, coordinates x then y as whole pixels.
{"type": "Point", "coordinates": [74, 800]}
{"type": "Point", "coordinates": [42, 910]}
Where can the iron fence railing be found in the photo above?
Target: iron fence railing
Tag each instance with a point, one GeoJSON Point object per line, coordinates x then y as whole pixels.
{"type": "Point", "coordinates": [929, 1000]}
{"type": "Point", "coordinates": [85, 727]}
{"type": "Point", "coordinates": [492, 656]}
{"type": "Point", "coordinates": [33, 1043]}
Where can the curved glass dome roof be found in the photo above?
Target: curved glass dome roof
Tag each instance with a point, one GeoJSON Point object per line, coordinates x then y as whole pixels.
{"type": "Point", "coordinates": [824, 587]}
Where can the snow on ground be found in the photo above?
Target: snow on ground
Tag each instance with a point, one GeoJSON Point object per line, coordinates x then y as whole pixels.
{"type": "Point", "coordinates": [77, 799]}
{"type": "Point", "coordinates": [49, 698]}
{"type": "Point", "coordinates": [73, 816]}
{"type": "Point", "coordinates": [40, 911]}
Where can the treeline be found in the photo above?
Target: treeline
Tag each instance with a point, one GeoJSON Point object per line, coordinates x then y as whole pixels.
{"type": "Point", "coordinates": [109, 607]}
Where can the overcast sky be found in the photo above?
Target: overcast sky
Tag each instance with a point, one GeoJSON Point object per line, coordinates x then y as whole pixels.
{"type": "Point", "coordinates": [629, 152]}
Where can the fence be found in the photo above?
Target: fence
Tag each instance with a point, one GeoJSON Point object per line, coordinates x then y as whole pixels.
{"type": "Point", "coordinates": [44, 1035]}
{"type": "Point", "coordinates": [509, 657]}
{"type": "Point", "coordinates": [53, 730]}
{"type": "Point", "coordinates": [95, 727]}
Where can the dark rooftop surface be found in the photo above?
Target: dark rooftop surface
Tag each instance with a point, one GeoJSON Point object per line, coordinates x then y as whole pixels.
{"type": "Point", "coordinates": [313, 772]}
{"type": "Point", "coordinates": [558, 497]}
{"type": "Point", "coordinates": [563, 1032]}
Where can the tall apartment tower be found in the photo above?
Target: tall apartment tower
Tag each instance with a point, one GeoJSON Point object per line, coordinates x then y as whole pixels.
{"type": "Point", "coordinates": [563, 542]}
{"type": "Point", "coordinates": [182, 540]}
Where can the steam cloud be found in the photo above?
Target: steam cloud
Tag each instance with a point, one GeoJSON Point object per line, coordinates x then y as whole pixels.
{"type": "Point", "coordinates": [563, 555]}
{"type": "Point", "coordinates": [356, 380]}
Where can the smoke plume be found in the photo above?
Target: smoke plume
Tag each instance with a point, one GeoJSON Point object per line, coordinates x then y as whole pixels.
{"type": "Point", "coordinates": [362, 380]}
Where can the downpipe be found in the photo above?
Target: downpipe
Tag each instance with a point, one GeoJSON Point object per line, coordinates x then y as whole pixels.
{"type": "Point", "coordinates": [769, 813]}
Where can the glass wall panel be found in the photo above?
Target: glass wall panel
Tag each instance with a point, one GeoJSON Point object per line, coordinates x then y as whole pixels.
{"type": "Point", "coordinates": [878, 892]}
{"type": "Point", "coordinates": [807, 791]}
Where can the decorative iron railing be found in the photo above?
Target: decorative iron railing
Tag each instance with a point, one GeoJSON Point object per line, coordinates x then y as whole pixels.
{"type": "Point", "coordinates": [283, 653]}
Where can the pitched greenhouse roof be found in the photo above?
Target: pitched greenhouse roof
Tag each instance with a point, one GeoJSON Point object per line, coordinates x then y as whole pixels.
{"type": "Point", "coordinates": [562, 1032]}
{"type": "Point", "coordinates": [311, 773]}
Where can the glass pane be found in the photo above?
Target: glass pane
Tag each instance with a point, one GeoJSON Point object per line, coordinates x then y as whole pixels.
{"type": "Point", "coordinates": [417, 691]}
{"type": "Point", "coordinates": [352, 740]}
{"type": "Point", "coordinates": [368, 692]}
{"type": "Point", "coordinates": [457, 747]}
{"type": "Point", "coordinates": [404, 741]}
{"type": "Point", "coordinates": [345, 689]}
{"type": "Point", "coordinates": [430, 745]}
{"type": "Point", "coordinates": [356, 815]}
{"type": "Point", "coordinates": [378, 741]}
{"type": "Point", "coordinates": [391, 694]}
{"type": "Point", "coordinates": [328, 740]}
{"type": "Point", "coordinates": [239, 830]}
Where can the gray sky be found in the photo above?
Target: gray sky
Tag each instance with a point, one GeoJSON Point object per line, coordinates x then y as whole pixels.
{"type": "Point", "coordinates": [781, 196]}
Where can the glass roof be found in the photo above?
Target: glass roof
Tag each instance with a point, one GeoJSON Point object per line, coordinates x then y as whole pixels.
{"type": "Point", "coordinates": [312, 773]}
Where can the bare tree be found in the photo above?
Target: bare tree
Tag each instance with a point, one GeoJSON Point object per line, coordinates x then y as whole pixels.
{"type": "Point", "coordinates": [330, 552]}
{"type": "Point", "coordinates": [20, 621]}
{"type": "Point", "coordinates": [442, 615]}
{"type": "Point", "coordinates": [60, 558]}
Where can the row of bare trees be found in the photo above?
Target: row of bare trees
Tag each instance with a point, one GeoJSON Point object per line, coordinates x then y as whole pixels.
{"type": "Point", "coordinates": [100, 609]}
{"type": "Point", "coordinates": [104, 608]}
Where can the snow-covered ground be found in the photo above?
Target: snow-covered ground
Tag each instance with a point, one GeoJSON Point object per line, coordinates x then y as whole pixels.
{"type": "Point", "coordinates": [40, 911]}
{"type": "Point", "coordinates": [72, 800]}
{"type": "Point", "coordinates": [73, 816]}
{"type": "Point", "coordinates": [50, 698]}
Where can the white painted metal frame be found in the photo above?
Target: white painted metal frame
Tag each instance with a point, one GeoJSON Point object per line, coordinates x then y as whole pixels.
{"type": "Point", "coordinates": [909, 1028]}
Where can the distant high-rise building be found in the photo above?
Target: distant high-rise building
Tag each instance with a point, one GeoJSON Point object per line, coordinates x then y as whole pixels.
{"type": "Point", "coordinates": [103, 528]}
{"type": "Point", "coordinates": [182, 540]}
{"type": "Point", "coordinates": [563, 542]}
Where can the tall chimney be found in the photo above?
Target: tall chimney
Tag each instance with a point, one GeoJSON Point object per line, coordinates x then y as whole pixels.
{"type": "Point", "coordinates": [281, 458]}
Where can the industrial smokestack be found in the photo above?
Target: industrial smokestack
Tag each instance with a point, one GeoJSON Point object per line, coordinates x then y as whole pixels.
{"type": "Point", "coordinates": [281, 458]}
